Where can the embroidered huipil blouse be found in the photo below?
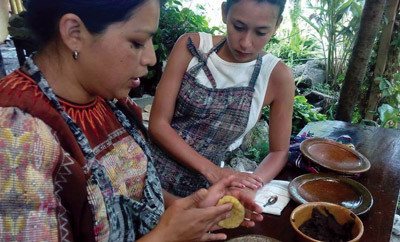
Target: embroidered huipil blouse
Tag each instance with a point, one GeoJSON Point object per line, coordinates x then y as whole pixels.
{"type": "Point", "coordinates": [48, 191]}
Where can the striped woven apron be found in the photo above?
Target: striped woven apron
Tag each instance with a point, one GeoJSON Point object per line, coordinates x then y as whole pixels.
{"type": "Point", "coordinates": [208, 119]}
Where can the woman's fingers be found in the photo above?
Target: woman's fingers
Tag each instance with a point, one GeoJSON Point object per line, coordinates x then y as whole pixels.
{"type": "Point", "coordinates": [247, 223]}
{"type": "Point", "coordinates": [215, 227]}
{"type": "Point", "coordinates": [213, 237]}
{"type": "Point", "coordinates": [253, 216]}
{"type": "Point", "coordinates": [216, 192]}
{"type": "Point", "coordinates": [211, 216]}
{"type": "Point", "coordinates": [216, 213]}
{"type": "Point", "coordinates": [224, 183]}
{"type": "Point", "coordinates": [255, 180]}
{"type": "Point", "coordinates": [249, 184]}
{"type": "Point", "coordinates": [249, 180]}
{"type": "Point", "coordinates": [238, 184]}
{"type": "Point", "coordinates": [246, 197]}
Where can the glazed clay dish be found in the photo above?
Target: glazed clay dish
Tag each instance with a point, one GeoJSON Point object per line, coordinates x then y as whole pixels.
{"type": "Point", "coordinates": [334, 156]}
{"type": "Point", "coordinates": [333, 189]}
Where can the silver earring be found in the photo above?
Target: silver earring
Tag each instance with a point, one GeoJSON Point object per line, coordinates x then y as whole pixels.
{"type": "Point", "coordinates": [75, 55]}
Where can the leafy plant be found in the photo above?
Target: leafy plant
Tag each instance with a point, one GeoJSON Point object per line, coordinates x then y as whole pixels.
{"type": "Point", "coordinates": [175, 21]}
{"type": "Point", "coordinates": [258, 142]}
{"type": "Point", "coordinates": [389, 110]}
{"type": "Point", "coordinates": [303, 113]}
{"type": "Point", "coordinates": [336, 23]}
{"type": "Point", "coordinates": [326, 89]}
{"type": "Point", "coordinates": [294, 52]}
{"type": "Point", "coordinates": [357, 117]}
{"type": "Point", "coordinates": [389, 116]}
{"type": "Point", "coordinates": [257, 153]}
{"type": "Point", "coordinates": [390, 90]}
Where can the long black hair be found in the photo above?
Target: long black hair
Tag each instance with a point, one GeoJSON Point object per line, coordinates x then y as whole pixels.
{"type": "Point", "coordinates": [43, 15]}
{"type": "Point", "coordinates": [280, 3]}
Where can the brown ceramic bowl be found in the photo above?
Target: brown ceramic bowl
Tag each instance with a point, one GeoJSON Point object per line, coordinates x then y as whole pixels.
{"type": "Point", "coordinates": [333, 189]}
{"type": "Point", "coordinates": [303, 213]}
{"type": "Point", "coordinates": [334, 156]}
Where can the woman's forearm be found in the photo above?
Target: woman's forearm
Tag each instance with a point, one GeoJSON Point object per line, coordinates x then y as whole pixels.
{"type": "Point", "coordinates": [272, 165]}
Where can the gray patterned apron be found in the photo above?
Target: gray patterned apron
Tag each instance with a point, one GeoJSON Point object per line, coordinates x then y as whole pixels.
{"type": "Point", "coordinates": [208, 119]}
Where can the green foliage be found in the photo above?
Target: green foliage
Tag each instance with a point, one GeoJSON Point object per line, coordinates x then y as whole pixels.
{"type": "Point", "coordinates": [357, 117]}
{"type": "Point", "coordinates": [303, 113]}
{"type": "Point", "coordinates": [390, 90]}
{"type": "Point", "coordinates": [389, 110]}
{"type": "Point", "coordinates": [257, 153]}
{"type": "Point", "coordinates": [295, 13]}
{"type": "Point", "coordinates": [389, 116]}
{"type": "Point", "coordinates": [292, 46]}
{"type": "Point", "coordinates": [389, 105]}
{"type": "Point", "coordinates": [398, 205]}
{"type": "Point", "coordinates": [293, 51]}
{"type": "Point", "coordinates": [326, 89]}
{"type": "Point", "coordinates": [175, 21]}
{"type": "Point", "coordinates": [330, 108]}
{"type": "Point", "coordinates": [336, 23]}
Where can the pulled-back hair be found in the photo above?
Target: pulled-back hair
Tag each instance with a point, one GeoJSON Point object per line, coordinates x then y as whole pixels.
{"type": "Point", "coordinates": [43, 16]}
{"type": "Point", "coordinates": [280, 3]}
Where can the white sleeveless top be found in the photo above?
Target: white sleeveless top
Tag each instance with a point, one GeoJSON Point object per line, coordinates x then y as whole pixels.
{"type": "Point", "coordinates": [229, 74]}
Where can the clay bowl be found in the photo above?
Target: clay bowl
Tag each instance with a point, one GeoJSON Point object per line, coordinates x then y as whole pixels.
{"type": "Point", "coordinates": [333, 189]}
{"type": "Point", "coordinates": [334, 156]}
{"type": "Point", "coordinates": [303, 213]}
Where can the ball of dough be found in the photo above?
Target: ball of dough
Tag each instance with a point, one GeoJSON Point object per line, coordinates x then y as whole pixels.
{"type": "Point", "coordinates": [237, 213]}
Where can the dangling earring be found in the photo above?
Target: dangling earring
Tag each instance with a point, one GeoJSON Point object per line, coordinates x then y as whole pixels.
{"type": "Point", "coordinates": [75, 55]}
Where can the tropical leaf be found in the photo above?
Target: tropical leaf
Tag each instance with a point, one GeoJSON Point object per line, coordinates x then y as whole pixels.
{"type": "Point", "coordinates": [178, 3]}
{"type": "Point", "coordinates": [356, 10]}
{"type": "Point", "coordinates": [344, 7]}
{"type": "Point", "coordinates": [315, 27]}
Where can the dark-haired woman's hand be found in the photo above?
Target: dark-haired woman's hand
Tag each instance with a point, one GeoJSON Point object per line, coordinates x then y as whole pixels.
{"type": "Point", "coordinates": [245, 196]}
{"type": "Point", "coordinates": [186, 220]}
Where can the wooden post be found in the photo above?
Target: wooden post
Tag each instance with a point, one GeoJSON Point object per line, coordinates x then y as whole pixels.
{"type": "Point", "coordinates": [381, 60]}
{"type": "Point", "coordinates": [349, 94]}
{"type": "Point", "coordinates": [4, 8]}
{"type": "Point", "coordinates": [14, 8]}
{"type": "Point", "coordinates": [20, 7]}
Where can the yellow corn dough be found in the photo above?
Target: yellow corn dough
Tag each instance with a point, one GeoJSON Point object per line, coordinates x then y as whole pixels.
{"type": "Point", "coordinates": [237, 213]}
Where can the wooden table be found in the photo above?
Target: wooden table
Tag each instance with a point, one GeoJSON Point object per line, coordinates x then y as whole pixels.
{"type": "Point", "coordinates": [382, 148]}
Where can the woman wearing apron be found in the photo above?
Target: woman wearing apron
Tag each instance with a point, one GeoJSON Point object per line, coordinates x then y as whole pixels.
{"type": "Point", "coordinates": [211, 94]}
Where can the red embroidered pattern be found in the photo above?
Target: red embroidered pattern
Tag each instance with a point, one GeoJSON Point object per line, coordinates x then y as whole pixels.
{"type": "Point", "coordinates": [91, 115]}
{"type": "Point", "coordinates": [20, 82]}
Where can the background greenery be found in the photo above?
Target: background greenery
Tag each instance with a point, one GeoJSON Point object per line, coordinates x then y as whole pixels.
{"type": "Point", "coordinates": [175, 20]}
{"type": "Point", "coordinates": [323, 29]}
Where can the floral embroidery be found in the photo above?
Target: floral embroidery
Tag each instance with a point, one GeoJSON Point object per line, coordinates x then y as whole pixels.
{"type": "Point", "coordinates": [27, 203]}
{"type": "Point", "coordinates": [126, 166]}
